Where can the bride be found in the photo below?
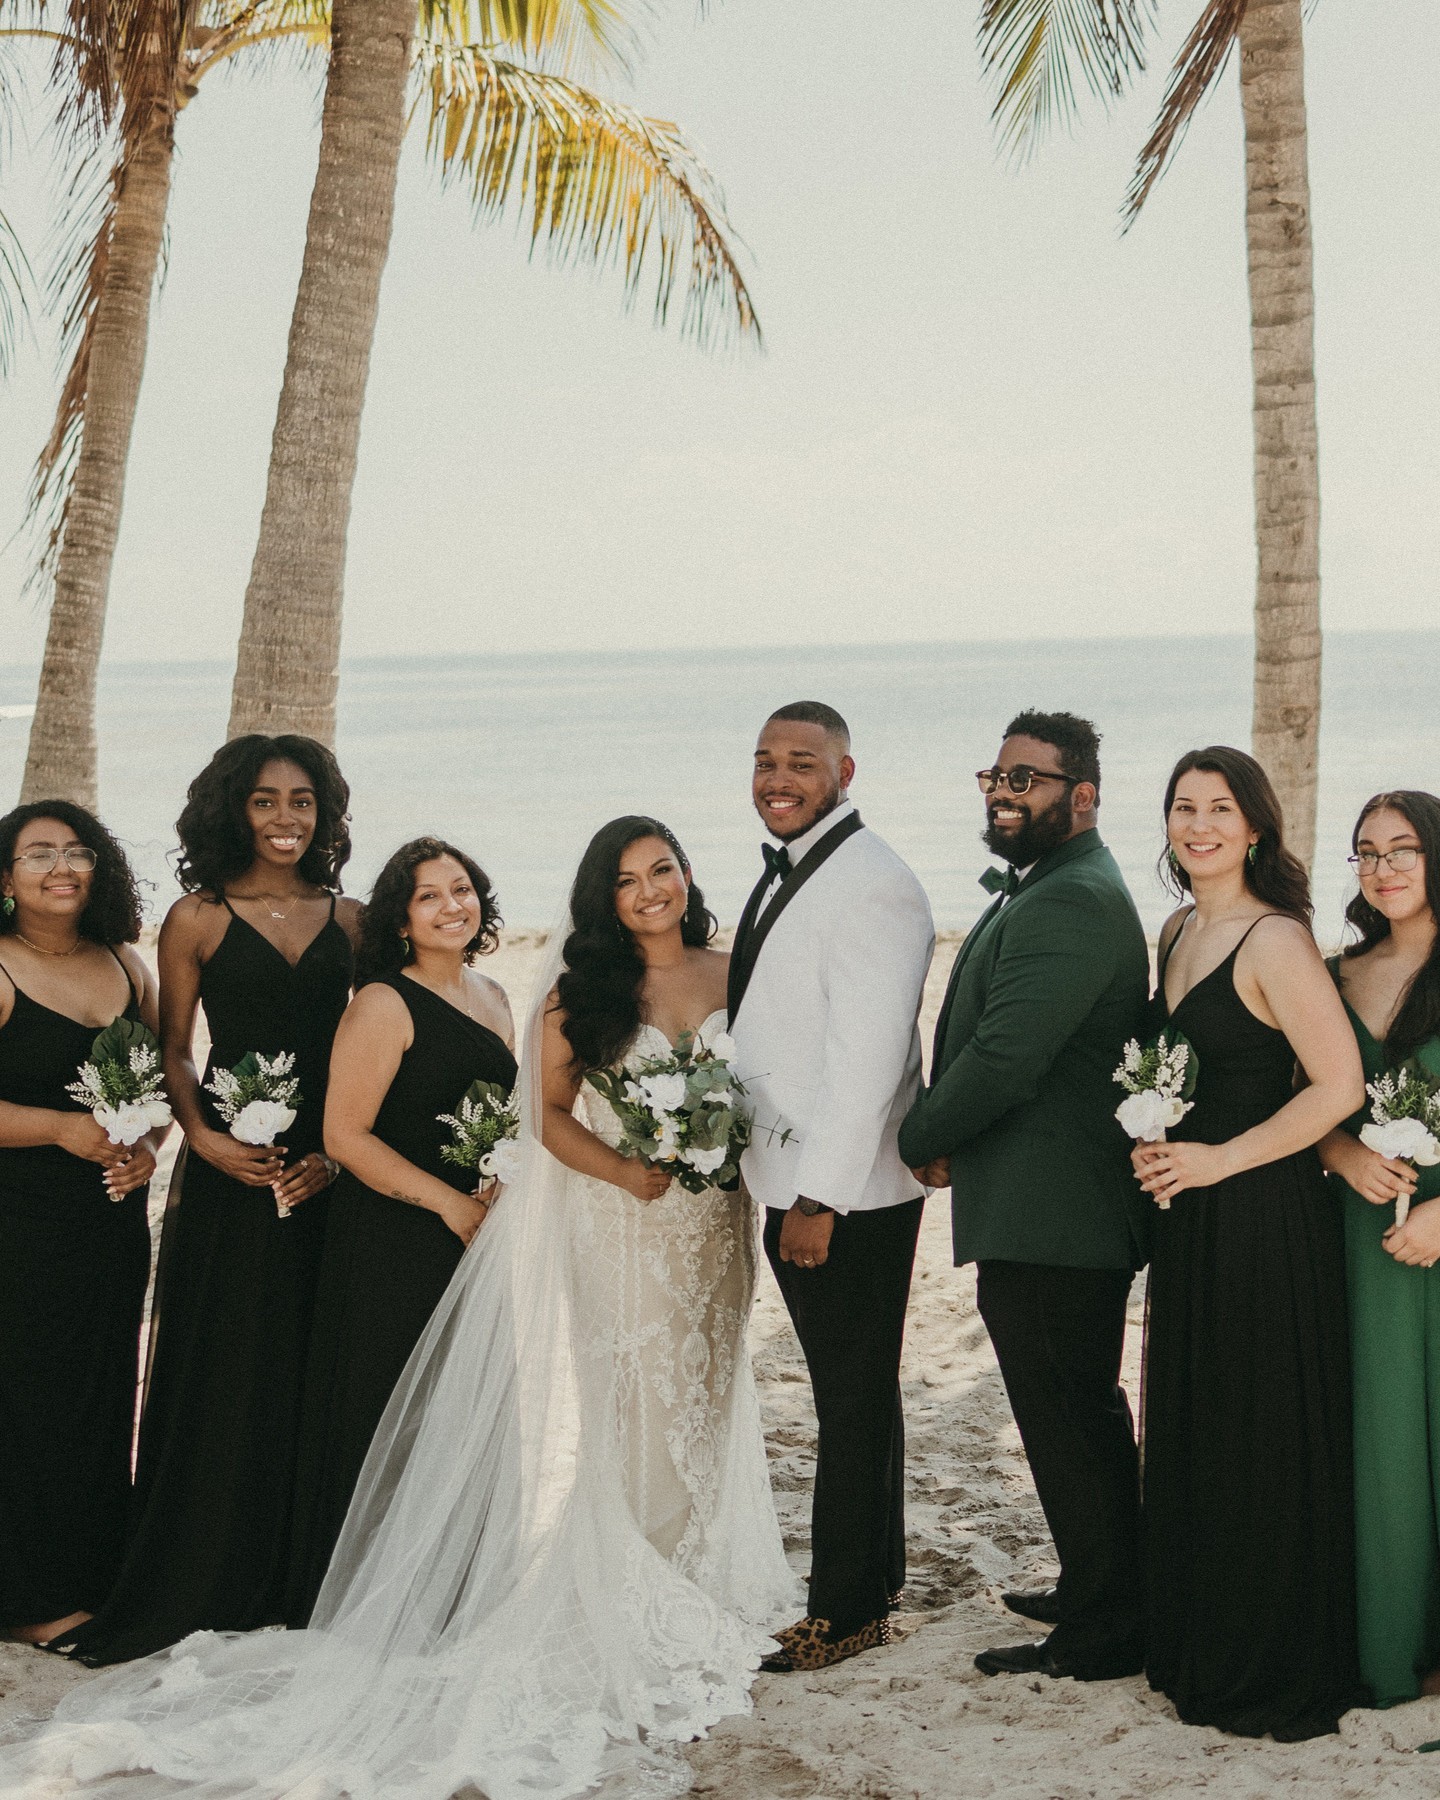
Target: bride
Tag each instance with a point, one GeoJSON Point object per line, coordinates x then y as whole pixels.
{"type": "Point", "coordinates": [562, 1554]}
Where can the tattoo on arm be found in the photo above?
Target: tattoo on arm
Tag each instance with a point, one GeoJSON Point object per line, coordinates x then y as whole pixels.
{"type": "Point", "coordinates": [406, 1199]}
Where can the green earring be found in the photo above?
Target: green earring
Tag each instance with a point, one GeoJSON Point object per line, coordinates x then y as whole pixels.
{"type": "Point", "coordinates": [1251, 853]}
{"type": "Point", "coordinates": [7, 905]}
{"type": "Point", "coordinates": [1174, 860]}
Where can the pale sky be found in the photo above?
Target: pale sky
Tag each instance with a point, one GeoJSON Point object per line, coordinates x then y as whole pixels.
{"type": "Point", "coordinates": [980, 412]}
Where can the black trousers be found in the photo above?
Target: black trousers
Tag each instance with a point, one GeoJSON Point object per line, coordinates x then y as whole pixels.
{"type": "Point", "coordinates": [1059, 1335]}
{"type": "Point", "coordinates": [849, 1315]}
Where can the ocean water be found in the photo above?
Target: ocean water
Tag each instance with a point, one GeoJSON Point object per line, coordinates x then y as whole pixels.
{"type": "Point", "coordinates": [520, 757]}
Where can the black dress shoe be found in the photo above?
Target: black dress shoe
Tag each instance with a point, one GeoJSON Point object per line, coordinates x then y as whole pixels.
{"type": "Point", "coordinates": [1043, 1607]}
{"type": "Point", "coordinates": [1018, 1659]}
{"type": "Point", "coordinates": [1039, 1659]}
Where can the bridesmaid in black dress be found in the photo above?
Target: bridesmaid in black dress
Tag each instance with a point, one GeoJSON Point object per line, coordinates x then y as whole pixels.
{"type": "Point", "coordinates": [1246, 1429]}
{"type": "Point", "coordinates": [262, 943]}
{"type": "Point", "coordinates": [422, 1029]}
{"type": "Point", "coordinates": [74, 1244]}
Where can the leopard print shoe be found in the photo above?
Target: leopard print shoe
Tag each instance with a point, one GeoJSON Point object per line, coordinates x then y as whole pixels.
{"type": "Point", "coordinates": [809, 1645]}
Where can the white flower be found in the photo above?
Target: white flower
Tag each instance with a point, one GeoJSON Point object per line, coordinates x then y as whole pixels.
{"type": "Point", "coordinates": [1148, 1115]}
{"type": "Point", "coordinates": [126, 1123]}
{"type": "Point", "coordinates": [664, 1092]}
{"type": "Point", "coordinates": [157, 1112]}
{"type": "Point", "coordinates": [723, 1098]}
{"type": "Point", "coordinates": [503, 1162]}
{"type": "Point", "coordinates": [721, 1046]}
{"type": "Point", "coordinates": [261, 1122]}
{"type": "Point", "coordinates": [1404, 1138]}
{"type": "Point", "coordinates": [706, 1162]}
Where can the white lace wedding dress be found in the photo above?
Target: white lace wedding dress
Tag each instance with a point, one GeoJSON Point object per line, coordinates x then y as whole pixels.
{"type": "Point", "coordinates": [562, 1555]}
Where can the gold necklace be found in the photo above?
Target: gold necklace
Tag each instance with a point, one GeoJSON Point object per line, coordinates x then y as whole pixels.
{"type": "Point", "coordinates": [40, 949]}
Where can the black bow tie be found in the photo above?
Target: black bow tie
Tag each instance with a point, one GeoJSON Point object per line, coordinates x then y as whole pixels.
{"type": "Point", "coordinates": [777, 862]}
{"type": "Point", "coordinates": [994, 882]}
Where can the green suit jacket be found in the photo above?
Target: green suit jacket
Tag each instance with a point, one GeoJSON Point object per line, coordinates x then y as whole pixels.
{"type": "Point", "coordinates": [1044, 993]}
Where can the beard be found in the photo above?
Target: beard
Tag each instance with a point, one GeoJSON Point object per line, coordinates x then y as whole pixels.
{"type": "Point", "coordinates": [1042, 831]}
{"type": "Point", "coordinates": [826, 807]}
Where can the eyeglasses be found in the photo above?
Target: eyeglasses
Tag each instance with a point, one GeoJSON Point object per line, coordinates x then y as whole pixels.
{"type": "Point", "coordinates": [40, 862]}
{"type": "Point", "coordinates": [1368, 861]}
{"type": "Point", "coordinates": [1020, 778]}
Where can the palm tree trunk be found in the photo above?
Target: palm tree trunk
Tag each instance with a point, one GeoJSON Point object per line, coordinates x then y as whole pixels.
{"type": "Point", "coordinates": [62, 757]}
{"type": "Point", "coordinates": [287, 669]}
{"type": "Point", "coordinates": [1286, 729]}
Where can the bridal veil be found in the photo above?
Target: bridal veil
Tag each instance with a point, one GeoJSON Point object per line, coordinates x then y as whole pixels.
{"type": "Point", "coordinates": [493, 1622]}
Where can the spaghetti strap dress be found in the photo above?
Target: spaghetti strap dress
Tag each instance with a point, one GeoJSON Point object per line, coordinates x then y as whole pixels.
{"type": "Point", "coordinates": [1249, 1520]}
{"type": "Point", "coordinates": [385, 1267]}
{"type": "Point", "coordinates": [73, 1269]}
{"type": "Point", "coordinates": [1395, 1339]}
{"type": "Point", "coordinates": [230, 1331]}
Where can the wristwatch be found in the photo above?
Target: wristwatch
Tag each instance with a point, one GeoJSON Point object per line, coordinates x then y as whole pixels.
{"type": "Point", "coordinates": [810, 1207]}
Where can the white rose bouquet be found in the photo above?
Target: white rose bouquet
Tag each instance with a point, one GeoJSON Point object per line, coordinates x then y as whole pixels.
{"type": "Point", "coordinates": [257, 1099]}
{"type": "Point", "coordinates": [121, 1084]}
{"type": "Point", "coordinates": [1404, 1122]}
{"type": "Point", "coordinates": [684, 1112]}
{"type": "Point", "coordinates": [1158, 1080]}
{"type": "Point", "coordinates": [484, 1132]}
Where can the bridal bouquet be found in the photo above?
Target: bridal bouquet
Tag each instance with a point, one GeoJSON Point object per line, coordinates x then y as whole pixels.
{"type": "Point", "coordinates": [484, 1132]}
{"type": "Point", "coordinates": [684, 1111]}
{"type": "Point", "coordinates": [1158, 1081]}
{"type": "Point", "coordinates": [1404, 1122]}
{"type": "Point", "coordinates": [257, 1100]}
{"type": "Point", "coordinates": [121, 1083]}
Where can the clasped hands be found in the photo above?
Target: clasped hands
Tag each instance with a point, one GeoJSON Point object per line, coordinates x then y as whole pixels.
{"type": "Point", "coordinates": [1165, 1169]}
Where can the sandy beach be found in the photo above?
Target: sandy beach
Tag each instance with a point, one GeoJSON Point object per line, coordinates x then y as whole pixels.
{"type": "Point", "coordinates": [916, 1721]}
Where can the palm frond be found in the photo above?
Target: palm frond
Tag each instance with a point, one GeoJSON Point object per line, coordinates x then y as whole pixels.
{"type": "Point", "coordinates": [16, 285]}
{"type": "Point", "coordinates": [266, 31]}
{"type": "Point", "coordinates": [76, 281]}
{"type": "Point", "coordinates": [1198, 67]}
{"type": "Point", "coordinates": [560, 36]}
{"type": "Point", "coordinates": [601, 182]}
{"type": "Point", "coordinates": [1032, 50]}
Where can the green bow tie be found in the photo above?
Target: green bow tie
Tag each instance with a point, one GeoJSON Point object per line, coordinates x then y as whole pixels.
{"type": "Point", "coordinates": [996, 881]}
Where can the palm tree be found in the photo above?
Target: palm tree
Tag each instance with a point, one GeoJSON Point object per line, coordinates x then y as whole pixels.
{"type": "Point", "coordinates": [510, 127]}
{"type": "Point", "coordinates": [600, 182]}
{"type": "Point", "coordinates": [1033, 49]}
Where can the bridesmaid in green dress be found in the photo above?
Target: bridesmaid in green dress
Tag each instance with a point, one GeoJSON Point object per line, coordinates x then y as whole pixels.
{"type": "Point", "coordinates": [1390, 981]}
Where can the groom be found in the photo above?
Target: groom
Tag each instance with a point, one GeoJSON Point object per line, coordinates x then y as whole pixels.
{"type": "Point", "coordinates": [1019, 1123]}
{"type": "Point", "coordinates": [826, 976]}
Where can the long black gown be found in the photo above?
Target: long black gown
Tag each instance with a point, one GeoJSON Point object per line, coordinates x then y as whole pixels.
{"type": "Point", "coordinates": [386, 1265]}
{"type": "Point", "coordinates": [1249, 1521]}
{"type": "Point", "coordinates": [230, 1332]}
{"type": "Point", "coordinates": [73, 1269]}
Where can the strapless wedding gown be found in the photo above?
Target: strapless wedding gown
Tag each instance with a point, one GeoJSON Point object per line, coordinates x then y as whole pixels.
{"type": "Point", "coordinates": [562, 1555]}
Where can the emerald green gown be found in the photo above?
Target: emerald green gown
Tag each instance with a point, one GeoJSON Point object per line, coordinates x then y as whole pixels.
{"type": "Point", "coordinates": [1395, 1359]}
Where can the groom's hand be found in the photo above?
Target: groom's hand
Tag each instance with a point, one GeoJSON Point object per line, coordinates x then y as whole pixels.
{"type": "Point", "coordinates": [934, 1174]}
{"type": "Point", "coordinates": [806, 1241]}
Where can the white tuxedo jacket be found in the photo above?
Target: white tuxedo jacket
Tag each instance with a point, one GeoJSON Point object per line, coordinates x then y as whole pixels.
{"type": "Point", "coordinates": [827, 1036]}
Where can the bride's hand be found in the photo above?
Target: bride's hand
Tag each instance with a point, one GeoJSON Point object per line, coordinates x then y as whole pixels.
{"type": "Point", "coordinates": [644, 1181]}
{"type": "Point", "coordinates": [1166, 1169]}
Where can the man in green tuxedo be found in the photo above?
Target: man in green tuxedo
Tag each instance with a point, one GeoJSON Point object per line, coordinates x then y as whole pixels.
{"type": "Point", "coordinates": [1019, 1122]}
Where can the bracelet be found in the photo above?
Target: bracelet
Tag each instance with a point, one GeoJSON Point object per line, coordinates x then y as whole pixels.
{"type": "Point", "coordinates": [332, 1168]}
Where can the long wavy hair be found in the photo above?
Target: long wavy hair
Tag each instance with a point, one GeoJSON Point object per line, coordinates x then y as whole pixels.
{"type": "Point", "coordinates": [384, 949]}
{"type": "Point", "coordinates": [112, 913]}
{"type": "Point", "coordinates": [1418, 1018]}
{"type": "Point", "coordinates": [217, 844]}
{"type": "Point", "coordinates": [599, 988]}
{"type": "Point", "coordinates": [1274, 875]}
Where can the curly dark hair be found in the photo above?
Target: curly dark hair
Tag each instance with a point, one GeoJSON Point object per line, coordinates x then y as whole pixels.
{"type": "Point", "coordinates": [1074, 740]}
{"type": "Point", "coordinates": [383, 950]}
{"type": "Point", "coordinates": [112, 915]}
{"type": "Point", "coordinates": [599, 989]}
{"type": "Point", "coordinates": [216, 842]}
{"type": "Point", "coordinates": [1275, 875]}
{"type": "Point", "coordinates": [1418, 1018]}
